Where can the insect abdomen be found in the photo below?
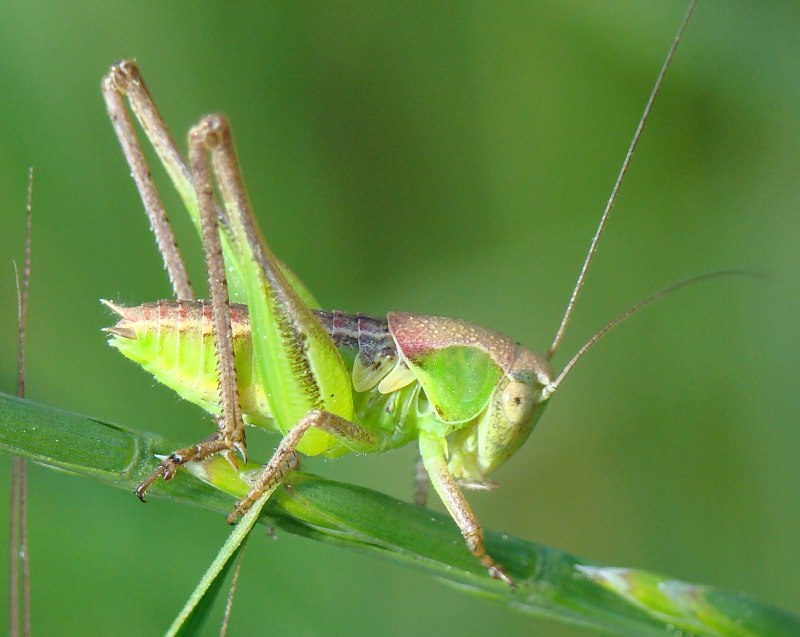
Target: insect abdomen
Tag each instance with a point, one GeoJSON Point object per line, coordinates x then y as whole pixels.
{"type": "Point", "coordinates": [364, 342]}
{"type": "Point", "coordinates": [173, 341]}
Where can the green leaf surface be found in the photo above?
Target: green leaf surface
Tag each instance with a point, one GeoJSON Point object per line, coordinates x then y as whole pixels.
{"type": "Point", "coordinates": [550, 582]}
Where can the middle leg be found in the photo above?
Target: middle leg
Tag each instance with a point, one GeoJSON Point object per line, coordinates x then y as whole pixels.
{"type": "Point", "coordinates": [275, 471]}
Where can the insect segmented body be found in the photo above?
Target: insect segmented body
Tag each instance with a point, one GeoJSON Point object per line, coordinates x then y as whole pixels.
{"type": "Point", "coordinates": [329, 382]}
{"type": "Point", "coordinates": [410, 374]}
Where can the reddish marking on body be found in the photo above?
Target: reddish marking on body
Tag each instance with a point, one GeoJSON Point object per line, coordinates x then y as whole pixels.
{"type": "Point", "coordinates": [418, 334]}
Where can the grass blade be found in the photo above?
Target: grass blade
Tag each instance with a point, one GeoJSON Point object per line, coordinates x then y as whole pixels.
{"type": "Point", "coordinates": [195, 612]}
{"type": "Point", "coordinates": [550, 582]}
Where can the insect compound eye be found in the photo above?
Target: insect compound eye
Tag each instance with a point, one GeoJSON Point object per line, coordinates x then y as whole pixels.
{"type": "Point", "coordinates": [517, 400]}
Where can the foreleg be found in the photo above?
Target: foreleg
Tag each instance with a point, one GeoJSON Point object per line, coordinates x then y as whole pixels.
{"type": "Point", "coordinates": [433, 456]}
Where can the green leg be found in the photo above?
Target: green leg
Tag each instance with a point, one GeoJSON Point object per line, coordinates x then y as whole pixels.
{"type": "Point", "coordinates": [433, 456]}
{"type": "Point", "coordinates": [124, 80]}
{"type": "Point", "coordinates": [297, 361]}
{"type": "Point", "coordinates": [295, 357]}
{"type": "Point", "coordinates": [230, 433]}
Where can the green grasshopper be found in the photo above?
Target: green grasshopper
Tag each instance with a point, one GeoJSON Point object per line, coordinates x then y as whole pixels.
{"type": "Point", "coordinates": [261, 353]}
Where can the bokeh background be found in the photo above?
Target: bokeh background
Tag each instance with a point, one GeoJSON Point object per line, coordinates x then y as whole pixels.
{"type": "Point", "coordinates": [448, 158]}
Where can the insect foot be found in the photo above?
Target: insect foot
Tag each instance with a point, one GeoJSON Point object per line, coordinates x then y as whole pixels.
{"type": "Point", "coordinates": [474, 540]}
{"type": "Point", "coordinates": [497, 572]}
{"type": "Point", "coordinates": [168, 466]}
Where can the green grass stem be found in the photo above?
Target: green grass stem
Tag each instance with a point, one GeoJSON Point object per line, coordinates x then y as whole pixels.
{"type": "Point", "coordinates": [550, 582]}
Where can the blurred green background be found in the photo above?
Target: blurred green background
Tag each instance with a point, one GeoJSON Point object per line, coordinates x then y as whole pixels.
{"type": "Point", "coordinates": [448, 158]}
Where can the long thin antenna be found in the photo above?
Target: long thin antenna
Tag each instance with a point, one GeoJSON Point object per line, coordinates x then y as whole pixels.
{"type": "Point", "coordinates": [18, 531]}
{"type": "Point", "coordinates": [615, 190]}
{"type": "Point", "coordinates": [633, 309]}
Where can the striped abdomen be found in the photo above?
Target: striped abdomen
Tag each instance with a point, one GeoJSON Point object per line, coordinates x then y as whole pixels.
{"type": "Point", "coordinates": [173, 341]}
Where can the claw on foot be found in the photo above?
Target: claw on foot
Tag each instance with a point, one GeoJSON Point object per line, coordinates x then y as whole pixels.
{"type": "Point", "coordinates": [233, 516]}
{"type": "Point", "coordinates": [242, 506]}
{"type": "Point", "coordinates": [498, 572]}
{"type": "Point", "coordinates": [166, 469]}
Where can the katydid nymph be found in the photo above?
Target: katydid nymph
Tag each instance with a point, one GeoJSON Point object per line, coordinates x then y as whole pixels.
{"type": "Point", "coordinates": [262, 353]}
